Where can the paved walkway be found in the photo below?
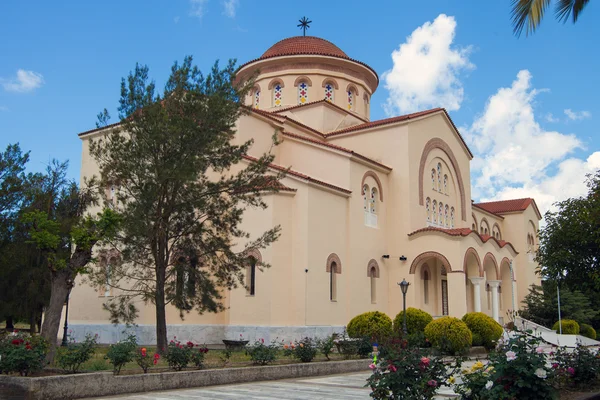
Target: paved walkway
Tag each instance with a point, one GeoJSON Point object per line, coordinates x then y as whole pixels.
{"type": "Point", "coordinates": [340, 387]}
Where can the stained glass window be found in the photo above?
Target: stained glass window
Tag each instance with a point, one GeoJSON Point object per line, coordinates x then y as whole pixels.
{"type": "Point", "coordinates": [256, 98]}
{"type": "Point", "coordinates": [277, 95]}
{"type": "Point", "coordinates": [446, 184]}
{"type": "Point", "coordinates": [439, 175]}
{"type": "Point", "coordinates": [365, 192]}
{"type": "Point", "coordinates": [329, 92]}
{"type": "Point", "coordinates": [446, 216]}
{"type": "Point", "coordinates": [428, 208]}
{"type": "Point", "coordinates": [302, 93]}
{"type": "Point", "coordinates": [435, 212]}
{"type": "Point", "coordinates": [441, 214]}
{"type": "Point", "coordinates": [350, 99]}
{"type": "Point", "coordinates": [452, 217]}
{"type": "Point", "coordinates": [373, 199]}
{"type": "Point", "coordinates": [433, 179]}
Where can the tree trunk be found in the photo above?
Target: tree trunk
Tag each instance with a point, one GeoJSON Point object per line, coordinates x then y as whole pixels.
{"type": "Point", "coordinates": [51, 325]}
{"type": "Point", "coordinates": [32, 323]}
{"type": "Point", "coordinates": [161, 318]}
{"type": "Point", "coordinates": [9, 324]}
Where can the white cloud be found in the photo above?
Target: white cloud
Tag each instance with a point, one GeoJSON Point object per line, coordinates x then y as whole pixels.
{"type": "Point", "coordinates": [25, 81]}
{"type": "Point", "coordinates": [515, 157]}
{"type": "Point", "coordinates": [426, 69]}
{"type": "Point", "coordinates": [230, 7]}
{"type": "Point", "coordinates": [577, 115]}
{"type": "Point", "coordinates": [550, 118]}
{"type": "Point", "coordinates": [198, 8]}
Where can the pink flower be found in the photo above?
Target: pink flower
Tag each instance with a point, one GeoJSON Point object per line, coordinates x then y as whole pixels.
{"type": "Point", "coordinates": [262, 340]}
{"type": "Point", "coordinates": [539, 350]}
{"type": "Point", "coordinates": [432, 383]}
{"type": "Point", "coordinates": [554, 365]}
{"type": "Point", "coordinates": [393, 368]}
{"type": "Point", "coordinates": [571, 371]}
{"type": "Point", "coordinates": [511, 355]}
{"type": "Point", "coordinates": [425, 361]}
{"type": "Point", "coordinates": [372, 366]}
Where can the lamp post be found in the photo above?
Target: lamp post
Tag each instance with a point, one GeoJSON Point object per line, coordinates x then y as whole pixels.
{"type": "Point", "coordinates": [404, 287]}
{"type": "Point", "coordinates": [66, 328]}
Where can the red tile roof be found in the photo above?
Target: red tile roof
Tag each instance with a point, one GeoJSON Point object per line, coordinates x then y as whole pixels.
{"type": "Point", "coordinates": [508, 206]}
{"type": "Point", "coordinates": [336, 147]}
{"type": "Point", "coordinates": [305, 45]}
{"type": "Point", "coordinates": [302, 176]}
{"type": "Point", "coordinates": [464, 232]}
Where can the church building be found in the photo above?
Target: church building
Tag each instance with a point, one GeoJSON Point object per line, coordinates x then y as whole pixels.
{"type": "Point", "coordinates": [365, 204]}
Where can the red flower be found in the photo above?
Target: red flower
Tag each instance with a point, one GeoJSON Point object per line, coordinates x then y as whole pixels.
{"type": "Point", "coordinates": [143, 352]}
{"type": "Point", "coordinates": [262, 340]}
{"type": "Point", "coordinates": [190, 344]}
{"type": "Point", "coordinates": [156, 356]}
{"type": "Point", "coordinates": [16, 342]}
{"type": "Point", "coordinates": [432, 383]}
{"type": "Point", "coordinates": [28, 347]}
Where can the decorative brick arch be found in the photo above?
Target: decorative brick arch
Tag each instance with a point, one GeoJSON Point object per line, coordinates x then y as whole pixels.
{"type": "Point", "coordinates": [475, 222]}
{"type": "Point", "coordinates": [376, 178]}
{"type": "Point", "coordinates": [499, 231]}
{"type": "Point", "coordinates": [437, 143]}
{"type": "Point", "coordinates": [331, 81]}
{"type": "Point", "coordinates": [331, 259]}
{"type": "Point", "coordinates": [256, 87]}
{"type": "Point", "coordinates": [352, 87]}
{"type": "Point", "coordinates": [254, 253]}
{"type": "Point", "coordinates": [373, 264]}
{"type": "Point", "coordinates": [490, 256]}
{"type": "Point", "coordinates": [471, 250]}
{"type": "Point", "coordinates": [484, 219]}
{"type": "Point", "coordinates": [274, 82]}
{"type": "Point", "coordinates": [425, 256]}
{"type": "Point", "coordinates": [303, 78]}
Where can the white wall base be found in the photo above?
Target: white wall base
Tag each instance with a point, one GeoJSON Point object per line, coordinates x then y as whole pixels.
{"type": "Point", "coordinates": [207, 334]}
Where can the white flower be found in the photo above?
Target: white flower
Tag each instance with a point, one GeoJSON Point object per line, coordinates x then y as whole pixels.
{"type": "Point", "coordinates": [489, 385]}
{"type": "Point", "coordinates": [540, 373]}
{"type": "Point", "coordinates": [511, 355]}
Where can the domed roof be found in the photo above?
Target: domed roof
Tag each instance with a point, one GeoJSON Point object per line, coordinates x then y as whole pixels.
{"type": "Point", "coordinates": [304, 45]}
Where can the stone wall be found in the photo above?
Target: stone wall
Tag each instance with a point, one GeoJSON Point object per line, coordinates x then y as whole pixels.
{"type": "Point", "coordinates": [207, 334]}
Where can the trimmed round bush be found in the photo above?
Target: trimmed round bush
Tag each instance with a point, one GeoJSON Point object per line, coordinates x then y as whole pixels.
{"type": "Point", "coordinates": [588, 331]}
{"type": "Point", "coordinates": [373, 324]}
{"type": "Point", "coordinates": [416, 320]}
{"type": "Point", "coordinates": [449, 334]}
{"type": "Point", "coordinates": [569, 327]}
{"type": "Point", "coordinates": [486, 331]}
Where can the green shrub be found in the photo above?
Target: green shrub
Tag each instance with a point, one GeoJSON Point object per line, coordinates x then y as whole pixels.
{"type": "Point", "coordinates": [304, 350]}
{"type": "Point", "coordinates": [121, 353]}
{"type": "Point", "coordinates": [197, 355]}
{"type": "Point", "coordinates": [178, 356]}
{"type": "Point", "coordinates": [261, 353]}
{"type": "Point", "coordinates": [449, 335]}
{"type": "Point", "coordinates": [372, 324]}
{"type": "Point", "coordinates": [579, 367]}
{"type": "Point", "coordinates": [74, 355]}
{"type": "Point", "coordinates": [22, 354]}
{"type": "Point", "coordinates": [569, 327]}
{"type": "Point", "coordinates": [587, 331]}
{"type": "Point", "coordinates": [485, 330]}
{"type": "Point", "coordinates": [145, 360]}
{"type": "Point", "coordinates": [416, 320]}
{"type": "Point", "coordinates": [325, 346]}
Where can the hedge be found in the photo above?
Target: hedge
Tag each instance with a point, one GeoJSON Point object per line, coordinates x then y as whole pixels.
{"type": "Point", "coordinates": [569, 327]}
{"type": "Point", "coordinates": [588, 331]}
{"type": "Point", "coordinates": [372, 324]}
{"type": "Point", "coordinates": [416, 320]}
{"type": "Point", "coordinates": [486, 331]}
{"type": "Point", "coordinates": [449, 334]}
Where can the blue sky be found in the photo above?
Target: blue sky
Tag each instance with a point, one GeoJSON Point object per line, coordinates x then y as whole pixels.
{"type": "Point", "coordinates": [527, 106]}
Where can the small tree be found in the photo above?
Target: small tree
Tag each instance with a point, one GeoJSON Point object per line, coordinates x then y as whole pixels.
{"type": "Point", "coordinates": [181, 191]}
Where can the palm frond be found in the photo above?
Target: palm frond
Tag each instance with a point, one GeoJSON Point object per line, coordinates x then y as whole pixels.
{"type": "Point", "coordinates": [565, 8]}
{"type": "Point", "coordinates": [528, 13]}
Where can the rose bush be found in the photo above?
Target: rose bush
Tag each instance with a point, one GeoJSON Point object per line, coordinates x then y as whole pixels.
{"type": "Point", "coordinates": [145, 360]}
{"type": "Point", "coordinates": [22, 354]}
{"type": "Point", "coordinates": [261, 353]}
{"type": "Point", "coordinates": [121, 353]}
{"type": "Point", "coordinates": [74, 355]}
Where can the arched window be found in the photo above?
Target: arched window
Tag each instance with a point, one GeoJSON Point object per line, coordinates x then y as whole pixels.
{"type": "Point", "coordinates": [302, 93]}
{"type": "Point", "coordinates": [439, 177]}
{"type": "Point", "coordinates": [441, 214]}
{"type": "Point", "coordinates": [428, 208]}
{"type": "Point", "coordinates": [277, 95]}
{"type": "Point", "coordinates": [351, 98]}
{"type": "Point", "coordinates": [329, 92]}
{"type": "Point", "coordinates": [452, 217]}
{"type": "Point", "coordinates": [445, 184]}
{"type": "Point", "coordinates": [365, 192]}
{"type": "Point", "coordinates": [374, 201]}
{"type": "Point", "coordinates": [256, 100]}
{"type": "Point", "coordinates": [473, 227]}
{"type": "Point", "coordinates": [367, 103]}
{"type": "Point", "coordinates": [251, 277]}
{"type": "Point", "coordinates": [435, 212]}
{"type": "Point", "coordinates": [332, 281]}
{"type": "Point", "coordinates": [446, 216]}
{"type": "Point", "coordinates": [433, 185]}
{"type": "Point", "coordinates": [426, 286]}
{"type": "Point", "coordinates": [373, 277]}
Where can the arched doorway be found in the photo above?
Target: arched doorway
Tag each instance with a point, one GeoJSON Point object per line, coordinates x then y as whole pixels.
{"type": "Point", "coordinates": [431, 286]}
